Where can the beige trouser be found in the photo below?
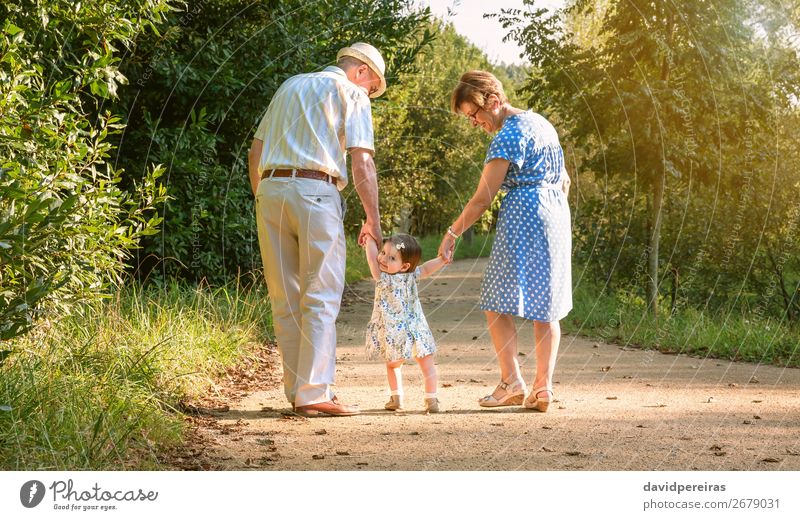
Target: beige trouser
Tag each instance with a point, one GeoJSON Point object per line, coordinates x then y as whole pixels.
{"type": "Point", "coordinates": [301, 237]}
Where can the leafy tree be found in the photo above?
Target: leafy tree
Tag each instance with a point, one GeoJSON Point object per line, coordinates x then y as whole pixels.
{"type": "Point", "coordinates": [662, 102]}
{"type": "Point", "coordinates": [66, 227]}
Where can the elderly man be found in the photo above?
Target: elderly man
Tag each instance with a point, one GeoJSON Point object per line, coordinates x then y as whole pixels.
{"type": "Point", "coordinates": [297, 168]}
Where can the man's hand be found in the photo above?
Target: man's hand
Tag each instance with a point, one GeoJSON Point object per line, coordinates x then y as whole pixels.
{"type": "Point", "coordinates": [370, 229]}
{"type": "Point", "coordinates": [253, 158]}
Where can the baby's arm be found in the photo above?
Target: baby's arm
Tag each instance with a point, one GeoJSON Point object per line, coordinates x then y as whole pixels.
{"type": "Point", "coordinates": [371, 249]}
{"type": "Point", "coordinates": [431, 266]}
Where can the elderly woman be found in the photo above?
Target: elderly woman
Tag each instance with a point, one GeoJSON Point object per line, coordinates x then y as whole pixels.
{"type": "Point", "coordinates": [529, 272]}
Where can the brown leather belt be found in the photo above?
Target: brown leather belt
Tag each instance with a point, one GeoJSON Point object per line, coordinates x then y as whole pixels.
{"type": "Point", "coordinates": [304, 174]}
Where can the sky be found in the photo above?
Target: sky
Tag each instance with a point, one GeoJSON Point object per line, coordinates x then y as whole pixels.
{"type": "Point", "coordinates": [486, 34]}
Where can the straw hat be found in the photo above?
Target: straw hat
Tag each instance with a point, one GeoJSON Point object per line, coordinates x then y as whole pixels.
{"type": "Point", "coordinates": [369, 55]}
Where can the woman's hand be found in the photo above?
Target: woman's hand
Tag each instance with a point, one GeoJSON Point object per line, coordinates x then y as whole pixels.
{"type": "Point", "coordinates": [447, 248]}
{"type": "Point", "coordinates": [494, 172]}
{"type": "Point", "coordinates": [565, 184]}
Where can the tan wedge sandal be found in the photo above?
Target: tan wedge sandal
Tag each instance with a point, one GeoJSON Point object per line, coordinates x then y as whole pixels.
{"type": "Point", "coordinates": [536, 403]}
{"type": "Point", "coordinates": [514, 395]}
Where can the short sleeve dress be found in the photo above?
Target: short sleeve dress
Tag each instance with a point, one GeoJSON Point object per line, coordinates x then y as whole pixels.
{"type": "Point", "coordinates": [530, 272]}
{"type": "Point", "coordinates": [398, 328]}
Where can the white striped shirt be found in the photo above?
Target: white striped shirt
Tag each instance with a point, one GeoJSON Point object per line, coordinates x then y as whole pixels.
{"type": "Point", "coordinates": [312, 120]}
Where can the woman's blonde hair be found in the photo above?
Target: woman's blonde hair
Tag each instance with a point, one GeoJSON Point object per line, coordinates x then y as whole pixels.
{"type": "Point", "coordinates": [474, 87]}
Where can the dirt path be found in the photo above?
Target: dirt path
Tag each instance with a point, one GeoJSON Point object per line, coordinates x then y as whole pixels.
{"type": "Point", "coordinates": [618, 408]}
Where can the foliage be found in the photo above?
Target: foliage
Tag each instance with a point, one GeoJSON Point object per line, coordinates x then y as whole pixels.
{"type": "Point", "coordinates": [66, 227]}
{"type": "Point", "coordinates": [197, 93]}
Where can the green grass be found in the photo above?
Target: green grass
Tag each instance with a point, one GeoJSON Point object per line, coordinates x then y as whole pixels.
{"type": "Point", "coordinates": [356, 267]}
{"type": "Point", "coordinates": [97, 391]}
{"type": "Point", "coordinates": [738, 336]}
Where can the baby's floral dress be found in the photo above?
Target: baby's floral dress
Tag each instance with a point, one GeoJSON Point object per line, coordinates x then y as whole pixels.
{"type": "Point", "coordinates": [398, 328]}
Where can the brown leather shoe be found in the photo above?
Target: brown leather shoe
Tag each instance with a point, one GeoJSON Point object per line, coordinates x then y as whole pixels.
{"type": "Point", "coordinates": [395, 403]}
{"type": "Point", "coordinates": [332, 407]}
{"type": "Point", "coordinates": [432, 405]}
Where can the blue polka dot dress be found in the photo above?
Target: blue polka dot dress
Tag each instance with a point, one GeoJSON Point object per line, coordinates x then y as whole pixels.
{"type": "Point", "coordinates": [530, 273]}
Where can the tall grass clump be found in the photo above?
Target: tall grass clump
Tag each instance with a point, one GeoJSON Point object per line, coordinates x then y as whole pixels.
{"type": "Point", "coordinates": [98, 390]}
{"type": "Point", "coordinates": [732, 334]}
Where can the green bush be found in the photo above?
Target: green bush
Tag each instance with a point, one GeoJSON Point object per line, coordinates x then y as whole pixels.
{"type": "Point", "coordinates": [66, 227]}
